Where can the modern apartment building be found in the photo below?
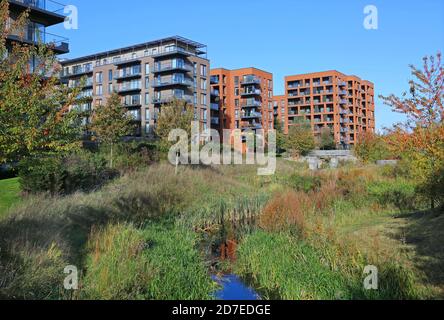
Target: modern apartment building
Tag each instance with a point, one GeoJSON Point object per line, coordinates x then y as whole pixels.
{"type": "Point", "coordinates": [42, 14]}
{"type": "Point", "coordinates": [243, 98]}
{"type": "Point", "coordinates": [280, 110]}
{"type": "Point", "coordinates": [343, 103]}
{"type": "Point", "coordinates": [146, 76]}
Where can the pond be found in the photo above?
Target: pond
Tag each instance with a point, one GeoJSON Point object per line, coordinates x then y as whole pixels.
{"type": "Point", "coordinates": [233, 288]}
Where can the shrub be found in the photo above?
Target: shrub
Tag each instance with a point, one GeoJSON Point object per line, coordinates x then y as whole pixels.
{"type": "Point", "coordinates": [305, 183]}
{"type": "Point", "coordinates": [64, 174]}
{"type": "Point", "coordinates": [285, 212]}
{"type": "Point", "coordinates": [372, 147]}
{"type": "Point", "coordinates": [398, 193]}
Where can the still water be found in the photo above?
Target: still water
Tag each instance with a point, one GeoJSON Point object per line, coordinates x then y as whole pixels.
{"type": "Point", "coordinates": [234, 289]}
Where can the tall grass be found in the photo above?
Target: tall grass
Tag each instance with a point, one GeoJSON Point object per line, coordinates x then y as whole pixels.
{"type": "Point", "coordinates": [154, 263]}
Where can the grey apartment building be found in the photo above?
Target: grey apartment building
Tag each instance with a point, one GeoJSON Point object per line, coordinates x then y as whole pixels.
{"type": "Point", "coordinates": [42, 14]}
{"type": "Point", "coordinates": [145, 76]}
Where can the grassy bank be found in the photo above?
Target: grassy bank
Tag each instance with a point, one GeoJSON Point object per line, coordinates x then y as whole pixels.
{"type": "Point", "coordinates": [9, 194]}
{"type": "Point", "coordinates": [139, 237]}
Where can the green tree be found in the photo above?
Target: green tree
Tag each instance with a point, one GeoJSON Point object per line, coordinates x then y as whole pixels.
{"type": "Point", "coordinates": [35, 115]}
{"type": "Point", "coordinates": [300, 139]}
{"type": "Point", "coordinates": [177, 114]}
{"type": "Point", "coordinates": [372, 147]}
{"type": "Point", "coordinates": [327, 139]}
{"type": "Point", "coordinates": [110, 123]}
{"type": "Point", "coordinates": [280, 136]}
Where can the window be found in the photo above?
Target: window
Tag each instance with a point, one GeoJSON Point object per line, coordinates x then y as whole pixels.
{"type": "Point", "coordinates": [99, 90]}
{"type": "Point", "coordinates": [147, 82]}
{"type": "Point", "coordinates": [110, 88]}
{"type": "Point", "coordinates": [99, 102]}
{"type": "Point", "coordinates": [203, 99]}
{"type": "Point", "coordinates": [147, 68]}
{"type": "Point", "coordinates": [236, 103]}
{"type": "Point", "coordinates": [110, 75]}
{"type": "Point", "coordinates": [236, 91]}
{"type": "Point", "coordinates": [147, 99]}
{"type": "Point", "coordinates": [203, 70]}
{"type": "Point", "coordinates": [236, 81]}
{"type": "Point", "coordinates": [99, 77]}
{"type": "Point", "coordinates": [203, 84]}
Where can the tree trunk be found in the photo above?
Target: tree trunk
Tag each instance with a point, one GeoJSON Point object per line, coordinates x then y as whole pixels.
{"type": "Point", "coordinates": [111, 157]}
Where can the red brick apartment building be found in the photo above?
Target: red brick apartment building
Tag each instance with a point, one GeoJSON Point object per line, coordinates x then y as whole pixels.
{"type": "Point", "coordinates": [241, 99]}
{"type": "Point", "coordinates": [343, 103]}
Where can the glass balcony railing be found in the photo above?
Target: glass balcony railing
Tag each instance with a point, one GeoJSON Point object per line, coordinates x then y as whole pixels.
{"type": "Point", "coordinates": [172, 82]}
{"type": "Point", "coordinates": [214, 107]}
{"type": "Point", "coordinates": [169, 98]}
{"type": "Point", "coordinates": [47, 5]}
{"type": "Point", "coordinates": [171, 67]}
{"type": "Point", "coordinates": [251, 92]}
{"type": "Point", "coordinates": [251, 80]}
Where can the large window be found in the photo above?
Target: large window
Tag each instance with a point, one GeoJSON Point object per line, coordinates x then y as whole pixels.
{"type": "Point", "coordinates": [99, 77]}
{"type": "Point", "coordinates": [203, 70]}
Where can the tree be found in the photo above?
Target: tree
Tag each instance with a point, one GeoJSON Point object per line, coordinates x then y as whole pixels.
{"type": "Point", "coordinates": [327, 139]}
{"type": "Point", "coordinates": [372, 147]}
{"type": "Point", "coordinates": [300, 139]}
{"type": "Point", "coordinates": [34, 106]}
{"type": "Point", "coordinates": [111, 122]}
{"type": "Point", "coordinates": [420, 139]}
{"type": "Point", "coordinates": [177, 114]}
{"type": "Point", "coordinates": [280, 136]}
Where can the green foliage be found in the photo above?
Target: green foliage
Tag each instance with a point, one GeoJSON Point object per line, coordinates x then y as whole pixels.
{"type": "Point", "coordinates": [304, 183]}
{"type": "Point", "coordinates": [110, 123]}
{"type": "Point", "coordinates": [34, 107]}
{"type": "Point", "coordinates": [81, 171]}
{"type": "Point", "coordinates": [327, 139]}
{"type": "Point", "coordinates": [300, 139]}
{"type": "Point", "coordinates": [154, 263]}
{"type": "Point", "coordinates": [399, 193]}
{"type": "Point", "coordinates": [175, 115]}
{"type": "Point", "coordinates": [371, 148]}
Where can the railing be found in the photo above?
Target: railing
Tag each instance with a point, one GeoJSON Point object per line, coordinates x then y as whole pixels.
{"type": "Point", "coordinates": [252, 115]}
{"type": "Point", "coordinates": [214, 106]}
{"type": "Point", "coordinates": [169, 98]}
{"type": "Point", "coordinates": [251, 92]}
{"type": "Point", "coordinates": [251, 104]}
{"type": "Point", "coordinates": [129, 88]}
{"type": "Point", "coordinates": [121, 75]}
{"type": "Point", "coordinates": [251, 80]}
{"type": "Point", "coordinates": [171, 82]}
{"type": "Point", "coordinates": [171, 66]}
{"type": "Point", "coordinates": [214, 80]}
{"type": "Point", "coordinates": [215, 93]}
{"type": "Point", "coordinates": [47, 5]}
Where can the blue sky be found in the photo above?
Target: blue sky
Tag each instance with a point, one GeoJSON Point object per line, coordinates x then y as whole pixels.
{"type": "Point", "coordinates": [284, 37]}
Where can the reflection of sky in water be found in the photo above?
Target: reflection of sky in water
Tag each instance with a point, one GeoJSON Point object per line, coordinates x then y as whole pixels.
{"type": "Point", "coordinates": [234, 289]}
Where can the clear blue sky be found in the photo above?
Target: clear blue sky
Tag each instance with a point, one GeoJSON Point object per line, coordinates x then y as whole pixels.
{"type": "Point", "coordinates": [281, 36]}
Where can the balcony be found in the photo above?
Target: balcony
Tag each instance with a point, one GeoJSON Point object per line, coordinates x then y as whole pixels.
{"type": "Point", "coordinates": [215, 121]}
{"type": "Point", "coordinates": [252, 126]}
{"type": "Point", "coordinates": [32, 36]}
{"type": "Point", "coordinates": [255, 92]}
{"type": "Point", "coordinates": [248, 80]}
{"type": "Point", "coordinates": [214, 80]}
{"type": "Point", "coordinates": [47, 12]}
{"type": "Point", "coordinates": [172, 82]}
{"type": "Point", "coordinates": [173, 51]}
{"type": "Point", "coordinates": [169, 98]}
{"type": "Point", "coordinates": [214, 106]}
{"type": "Point", "coordinates": [252, 104]}
{"type": "Point", "coordinates": [252, 115]}
{"type": "Point", "coordinates": [215, 93]}
{"type": "Point", "coordinates": [127, 75]}
{"type": "Point", "coordinates": [124, 89]}
{"type": "Point", "coordinates": [172, 67]}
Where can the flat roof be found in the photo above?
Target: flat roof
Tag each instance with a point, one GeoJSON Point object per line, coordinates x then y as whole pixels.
{"type": "Point", "coordinates": [123, 50]}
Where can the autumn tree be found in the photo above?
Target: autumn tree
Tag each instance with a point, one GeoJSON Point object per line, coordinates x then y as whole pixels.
{"type": "Point", "coordinates": [420, 139]}
{"type": "Point", "coordinates": [110, 123]}
{"type": "Point", "coordinates": [177, 114]}
{"type": "Point", "coordinates": [300, 139]}
{"type": "Point", "coordinates": [371, 147]}
{"type": "Point", "coordinates": [34, 106]}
